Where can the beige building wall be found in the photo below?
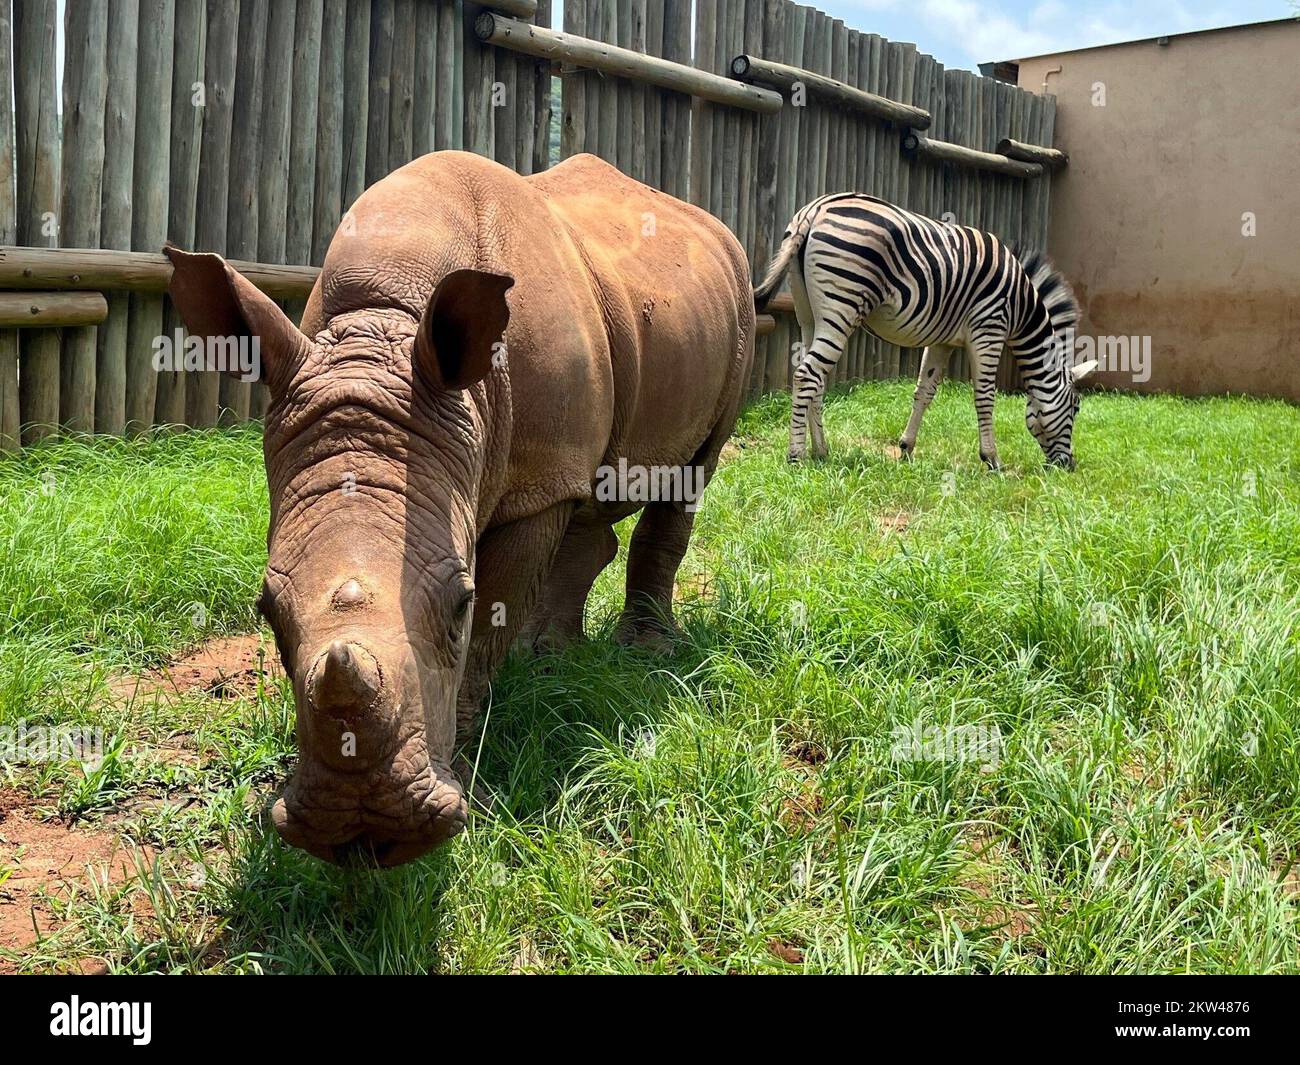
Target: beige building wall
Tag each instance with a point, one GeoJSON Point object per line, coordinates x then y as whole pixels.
{"type": "Point", "coordinates": [1194, 137]}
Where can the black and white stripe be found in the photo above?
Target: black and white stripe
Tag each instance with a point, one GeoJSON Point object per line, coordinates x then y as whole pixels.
{"type": "Point", "coordinates": [856, 260]}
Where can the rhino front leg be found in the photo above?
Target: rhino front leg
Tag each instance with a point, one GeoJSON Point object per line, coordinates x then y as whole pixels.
{"type": "Point", "coordinates": [658, 544]}
{"type": "Point", "coordinates": [589, 546]}
{"type": "Point", "coordinates": [511, 565]}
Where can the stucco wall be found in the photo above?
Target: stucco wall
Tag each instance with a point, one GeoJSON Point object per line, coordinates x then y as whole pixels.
{"type": "Point", "coordinates": [1147, 219]}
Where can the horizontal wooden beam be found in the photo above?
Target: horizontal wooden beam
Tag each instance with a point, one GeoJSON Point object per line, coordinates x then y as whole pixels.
{"type": "Point", "coordinates": [131, 271]}
{"type": "Point", "coordinates": [942, 152]}
{"type": "Point", "coordinates": [517, 8]}
{"type": "Point", "coordinates": [46, 310]}
{"type": "Point", "coordinates": [124, 271]}
{"type": "Point", "coordinates": [621, 62]}
{"type": "Point", "coordinates": [781, 303]}
{"type": "Point", "coordinates": [750, 68]}
{"type": "Point", "coordinates": [1052, 158]}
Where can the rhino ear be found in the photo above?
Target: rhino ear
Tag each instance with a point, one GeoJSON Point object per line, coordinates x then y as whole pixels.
{"type": "Point", "coordinates": [1084, 369]}
{"type": "Point", "coordinates": [466, 317]}
{"type": "Point", "coordinates": [214, 299]}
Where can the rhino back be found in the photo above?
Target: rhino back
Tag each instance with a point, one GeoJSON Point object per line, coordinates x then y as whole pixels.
{"type": "Point", "coordinates": [674, 290]}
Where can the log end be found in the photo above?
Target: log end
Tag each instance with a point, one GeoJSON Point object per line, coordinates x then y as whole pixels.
{"type": "Point", "coordinates": [485, 26]}
{"type": "Point", "coordinates": [740, 66]}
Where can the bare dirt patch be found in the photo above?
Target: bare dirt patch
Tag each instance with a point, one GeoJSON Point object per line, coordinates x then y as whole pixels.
{"type": "Point", "coordinates": [226, 668]}
{"type": "Point", "coordinates": [50, 858]}
{"type": "Point", "coordinates": [786, 952]}
{"type": "Point", "coordinates": [730, 450]}
{"type": "Point", "coordinates": [894, 522]}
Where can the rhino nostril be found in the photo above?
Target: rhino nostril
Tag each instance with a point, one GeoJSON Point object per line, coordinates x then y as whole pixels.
{"type": "Point", "coordinates": [345, 680]}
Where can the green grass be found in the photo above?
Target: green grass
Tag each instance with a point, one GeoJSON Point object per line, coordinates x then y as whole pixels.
{"type": "Point", "coordinates": [1127, 633]}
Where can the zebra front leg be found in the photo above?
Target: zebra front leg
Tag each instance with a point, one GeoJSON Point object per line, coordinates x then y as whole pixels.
{"type": "Point", "coordinates": [984, 373]}
{"type": "Point", "coordinates": [933, 364]}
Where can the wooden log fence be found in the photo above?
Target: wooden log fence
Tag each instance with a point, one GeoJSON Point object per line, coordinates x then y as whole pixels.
{"type": "Point", "coordinates": [943, 152]}
{"type": "Point", "coordinates": [789, 79]}
{"type": "Point", "coordinates": [26, 310]}
{"type": "Point", "coordinates": [248, 129]}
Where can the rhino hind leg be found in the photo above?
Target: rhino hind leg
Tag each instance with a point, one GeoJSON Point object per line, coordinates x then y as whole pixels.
{"type": "Point", "coordinates": [589, 546]}
{"type": "Point", "coordinates": [658, 544]}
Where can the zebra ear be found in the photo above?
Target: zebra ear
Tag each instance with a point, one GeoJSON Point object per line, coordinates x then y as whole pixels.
{"type": "Point", "coordinates": [1084, 369]}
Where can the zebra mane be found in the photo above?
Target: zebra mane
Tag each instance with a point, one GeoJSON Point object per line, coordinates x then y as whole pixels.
{"type": "Point", "coordinates": [1052, 288]}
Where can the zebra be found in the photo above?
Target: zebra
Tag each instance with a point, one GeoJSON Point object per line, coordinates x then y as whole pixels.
{"type": "Point", "coordinates": [920, 283]}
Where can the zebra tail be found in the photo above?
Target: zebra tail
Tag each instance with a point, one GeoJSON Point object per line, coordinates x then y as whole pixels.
{"type": "Point", "coordinates": [791, 242]}
{"type": "Point", "coordinates": [1052, 289]}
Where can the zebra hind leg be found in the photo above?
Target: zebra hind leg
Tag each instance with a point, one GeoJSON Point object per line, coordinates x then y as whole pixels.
{"type": "Point", "coordinates": [807, 388]}
{"type": "Point", "coordinates": [933, 365]}
{"type": "Point", "coordinates": [816, 429]}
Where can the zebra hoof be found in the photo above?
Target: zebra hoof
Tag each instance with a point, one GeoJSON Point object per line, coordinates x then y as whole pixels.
{"type": "Point", "coordinates": [794, 457]}
{"type": "Point", "coordinates": [992, 463]}
{"type": "Point", "coordinates": [904, 451]}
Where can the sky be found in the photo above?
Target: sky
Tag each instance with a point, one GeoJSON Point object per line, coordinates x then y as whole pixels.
{"type": "Point", "coordinates": [965, 33]}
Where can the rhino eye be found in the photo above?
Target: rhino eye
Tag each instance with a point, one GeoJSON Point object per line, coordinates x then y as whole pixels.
{"type": "Point", "coordinates": [460, 615]}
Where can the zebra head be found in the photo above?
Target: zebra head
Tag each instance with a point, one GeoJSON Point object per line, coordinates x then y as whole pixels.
{"type": "Point", "coordinates": [1051, 419]}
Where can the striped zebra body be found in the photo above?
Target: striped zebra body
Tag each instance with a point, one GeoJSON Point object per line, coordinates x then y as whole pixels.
{"type": "Point", "coordinates": [856, 260]}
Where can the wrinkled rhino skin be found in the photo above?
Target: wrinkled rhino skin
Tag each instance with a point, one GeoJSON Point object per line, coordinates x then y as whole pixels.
{"type": "Point", "coordinates": [432, 495]}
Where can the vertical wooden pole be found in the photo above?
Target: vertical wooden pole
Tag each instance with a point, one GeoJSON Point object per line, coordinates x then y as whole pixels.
{"type": "Point", "coordinates": [356, 100]}
{"type": "Point", "coordinates": [609, 87]}
{"type": "Point", "coordinates": [246, 165]}
{"type": "Point", "coordinates": [284, 53]}
{"type": "Point", "coordinates": [676, 151]}
{"type": "Point", "coordinates": [426, 78]}
{"type": "Point", "coordinates": [1045, 132]}
{"type": "Point", "coordinates": [445, 116]}
{"type": "Point", "coordinates": [382, 16]}
{"type": "Point", "coordinates": [637, 104]}
{"type": "Point", "coordinates": [84, 89]}
{"type": "Point", "coordinates": [480, 73]}
{"type": "Point", "coordinates": [9, 410]}
{"type": "Point", "coordinates": [37, 157]}
{"type": "Point", "coordinates": [150, 181]}
{"type": "Point", "coordinates": [594, 26]}
{"type": "Point", "coordinates": [772, 143]}
{"type": "Point", "coordinates": [655, 98]}
{"type": "Point", "coordinates": [504, 109]}
{"type": "Point", "coordinates": [327, 203]}
{"type": "Point", "coordinates": [189, 42]}
{"type": "Point", "coordinates": [401, 102]}
{"type": "Point", "coordinates": [706, 16]}
{"type": "Point", "coordinates": [573, 89]}
{"type": "Point", "coordinates": [211, 205]}
{"type": "Point", "coordinates": [620, 33]}
{"type": "Point", "coordinates": [542, 101]}
{"type": "Point", "coordinates": [304, 117]}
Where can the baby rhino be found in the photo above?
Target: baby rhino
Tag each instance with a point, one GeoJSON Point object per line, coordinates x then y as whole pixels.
{"type": "Point", "coordinates": [491, 371]}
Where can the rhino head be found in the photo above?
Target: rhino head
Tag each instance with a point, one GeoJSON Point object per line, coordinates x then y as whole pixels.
{"type": "Point", "coordinates": [374, 456]}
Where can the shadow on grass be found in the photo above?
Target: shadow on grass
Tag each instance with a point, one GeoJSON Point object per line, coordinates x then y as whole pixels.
{"type": "Point", "coordinates": [548, 714]}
